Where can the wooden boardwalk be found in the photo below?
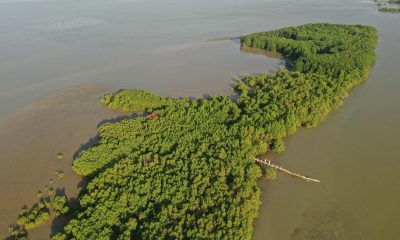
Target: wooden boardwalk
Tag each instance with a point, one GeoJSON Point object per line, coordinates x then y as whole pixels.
{"type": "Point", "coordinates": [281, 169]}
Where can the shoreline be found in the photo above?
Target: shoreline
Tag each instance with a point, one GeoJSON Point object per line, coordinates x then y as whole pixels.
{"type": "Point", "coordinates": [30, 141]}
{"type": "Point", "coordinates": [72, 114]}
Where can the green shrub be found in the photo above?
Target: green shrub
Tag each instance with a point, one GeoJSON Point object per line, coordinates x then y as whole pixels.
{"type": "Point", "coordinates": [17, 233]}
{"type": "Point", "coordinates": [34, 217]}
{"type": "Point", "coordinates": [60, 205]}
{"type": "Point", "coordinates": [133, 100]}
{"type": "Point", "coordinates": [270, 174]}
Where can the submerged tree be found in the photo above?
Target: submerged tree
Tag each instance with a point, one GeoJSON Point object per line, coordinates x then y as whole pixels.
{"type": "Point", "coordinates": [17, 233]}
{"type": "Point", "coordinates": [60, 205]}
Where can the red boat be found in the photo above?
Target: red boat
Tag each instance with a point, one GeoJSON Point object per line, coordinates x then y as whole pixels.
{"type": "Point", "coordinates": [151, 115]}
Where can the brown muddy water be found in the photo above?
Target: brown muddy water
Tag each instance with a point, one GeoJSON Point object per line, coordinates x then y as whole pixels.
{"type": "Point", "coordinates": [58, 57]}
{"type": "Point", "coordinates": [31, 139]}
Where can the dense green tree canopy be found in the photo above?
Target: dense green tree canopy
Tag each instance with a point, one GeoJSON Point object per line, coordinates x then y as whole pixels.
{"type": "Point", "coordinates": [132, 100]}
{"type": "Point", "coordinates": [185, 174]}
{"type": "Point", "coordinates": [390, 9]}
{"type": "Point", "coordinates": [323, 48]}
{"type": "Point", "coordinates": [189, 172]}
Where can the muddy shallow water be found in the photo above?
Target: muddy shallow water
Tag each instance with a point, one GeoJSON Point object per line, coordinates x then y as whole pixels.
{"type": "Point", "coordinates": [31, 139]}
{"type": "Point", "coordinates": [49, 50]}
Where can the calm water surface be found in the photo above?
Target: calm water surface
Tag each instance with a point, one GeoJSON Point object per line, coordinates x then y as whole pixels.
{"type": "Point", "coordinates": [48, 49]}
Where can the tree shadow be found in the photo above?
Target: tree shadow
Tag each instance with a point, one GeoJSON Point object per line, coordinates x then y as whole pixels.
{"type": "Point", "coordinates": [58, 223]}
{"type": "Point", "coordinates": [94, 140]}
{"type": "Point", "coordinates": [90, 143]}
{"type": "Point", "coordinates": [120, 118]}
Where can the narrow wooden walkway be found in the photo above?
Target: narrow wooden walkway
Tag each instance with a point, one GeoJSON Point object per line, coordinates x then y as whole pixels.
{"type": "Point", "coordinates": [279, 168]}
